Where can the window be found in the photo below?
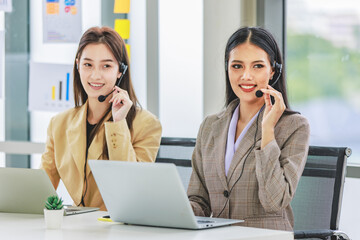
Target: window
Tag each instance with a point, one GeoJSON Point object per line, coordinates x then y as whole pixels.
{"type": "Point", "coordinates": [323, 69]}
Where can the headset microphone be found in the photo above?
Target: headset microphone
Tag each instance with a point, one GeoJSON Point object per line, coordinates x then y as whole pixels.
{"type": "Point", "coordinates": [123, 67]}
{"type": "Point", "coordinates": [278, 67]}
{"type": "Point", "coordinates": [259, 93]}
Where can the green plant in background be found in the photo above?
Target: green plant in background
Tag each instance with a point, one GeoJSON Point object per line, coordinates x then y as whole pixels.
{"type": "Point", "coordinates": [318, 69]}
{"type": "Point", "coordinates": [54, 203]}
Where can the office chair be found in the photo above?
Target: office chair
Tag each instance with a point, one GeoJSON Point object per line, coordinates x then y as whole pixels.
{"type": "Point", "coordinates": [317, 201]}
{"type": "Point", "coordinates": [178, 151]}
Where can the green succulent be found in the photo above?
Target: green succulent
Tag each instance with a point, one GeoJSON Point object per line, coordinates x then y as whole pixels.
{"type": "Point", "coordinates": [54, 203]}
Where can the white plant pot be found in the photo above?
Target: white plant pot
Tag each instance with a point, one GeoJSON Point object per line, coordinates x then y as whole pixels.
{"type": "Point", "coordinates": [53, 218]}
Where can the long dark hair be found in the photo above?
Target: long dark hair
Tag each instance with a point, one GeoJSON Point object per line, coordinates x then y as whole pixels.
{"type": "Point", "coordinates": [116, 44]}
{"type": "Point", "coordinates": [266, 41]}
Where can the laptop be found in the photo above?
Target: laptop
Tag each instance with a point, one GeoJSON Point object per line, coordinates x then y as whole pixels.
{"type": "Point", "coordinates": [25, 190]}
{"type": "Point", "coordinates": [148, 194]}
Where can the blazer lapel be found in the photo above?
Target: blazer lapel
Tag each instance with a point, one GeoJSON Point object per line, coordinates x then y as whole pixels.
{"type": "Point", "coordinates": [220, 132]}
{"type": "Point", "coordinates": [244, 147]}
{"type": "Point", "coordinates": [76, 137]}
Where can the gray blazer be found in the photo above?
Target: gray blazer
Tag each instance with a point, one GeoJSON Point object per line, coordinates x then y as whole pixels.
{"type": "Point", "coordinates": [263, 194]}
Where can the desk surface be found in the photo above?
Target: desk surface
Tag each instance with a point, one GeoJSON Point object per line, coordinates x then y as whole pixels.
{"type": "Point", "coordinates": [86, 226]}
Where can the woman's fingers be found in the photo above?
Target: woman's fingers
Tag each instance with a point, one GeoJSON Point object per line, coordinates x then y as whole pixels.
{"type": "Point", "coordinates": [271, 92]}
{"type": "Point", "coordinates": [279, 101]}
{"type": "Point", "coordinates": [112, 98]}
{"type": "Point", "coordinates": [267, 99]}
{"type": "Point", "coordinates": [118, 99]}
{"type": "Point", "coordinates": [119, 95]}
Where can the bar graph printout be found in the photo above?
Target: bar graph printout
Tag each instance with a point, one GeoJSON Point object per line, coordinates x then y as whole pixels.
{"type": "Point", "coordinates": [51, 87]}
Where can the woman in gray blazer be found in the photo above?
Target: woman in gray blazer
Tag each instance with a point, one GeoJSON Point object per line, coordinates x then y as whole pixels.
{"type": "Point", "coordinates": [249, 158]}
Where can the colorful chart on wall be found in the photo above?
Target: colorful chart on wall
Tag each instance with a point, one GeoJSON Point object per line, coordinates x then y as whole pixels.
{"type": "Point", "coordinates": [50, 87]}
{"type": "Point", "coordinates": [61, 21]}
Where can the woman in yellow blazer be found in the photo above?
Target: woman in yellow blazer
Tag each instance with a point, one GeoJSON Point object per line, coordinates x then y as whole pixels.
{"type": "Point", "coordinates": [110, 127]}
{"type": "Point", "coordinates": [249, 158]}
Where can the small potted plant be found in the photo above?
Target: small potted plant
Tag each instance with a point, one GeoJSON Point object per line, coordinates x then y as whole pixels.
{"type": "Point", "coordinates": [53, 212]}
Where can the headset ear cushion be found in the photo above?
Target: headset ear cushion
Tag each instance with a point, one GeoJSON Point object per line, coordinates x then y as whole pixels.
{"type": "Point", "coordinates": [279, 67]}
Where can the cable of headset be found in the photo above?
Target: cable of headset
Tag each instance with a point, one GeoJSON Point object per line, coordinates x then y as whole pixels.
{"type": "Point", "coordinates": [242, 170]}
{"type": "Point", "coordinates": [82, 202]}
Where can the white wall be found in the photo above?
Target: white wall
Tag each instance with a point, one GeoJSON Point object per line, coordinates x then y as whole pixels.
{"type": "Point", "coordinates": [2, 87]}
{"type": "Point", "coordinates": [137, 41]}
{"type": "Point", "coordinates": [192, 40]}
{"type": "Point", "coordinates": [181, 67]}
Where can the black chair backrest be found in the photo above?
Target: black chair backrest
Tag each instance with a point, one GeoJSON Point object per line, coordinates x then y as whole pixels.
{"type": "Point", "coordinates": [178, 151]}
{"type": "Point", "coordinates": [317, 201]}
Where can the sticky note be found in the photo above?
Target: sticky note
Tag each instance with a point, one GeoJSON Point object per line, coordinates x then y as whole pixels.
{"type": "Point", "coordinates": [122, 6]}
{"type": "Point", "coordinates": [122, 27]}
{"type": "Point", "coordinates": [52, 8]}
{"type": "Point", "coordinates": [73, 10]}
{"type": "Point", "coordinates": [128, 49]}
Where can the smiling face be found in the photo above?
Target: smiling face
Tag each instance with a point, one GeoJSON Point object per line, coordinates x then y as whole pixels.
{"type": "Point", "coordinates": [249, 70]}
{"type": "Point", "coordinates": [98, 70]}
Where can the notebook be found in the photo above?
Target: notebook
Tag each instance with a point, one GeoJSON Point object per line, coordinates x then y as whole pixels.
{"type": "Point", "coordinates": [25, 190]}
{"type": "Point", "coordinates": [148, 194]}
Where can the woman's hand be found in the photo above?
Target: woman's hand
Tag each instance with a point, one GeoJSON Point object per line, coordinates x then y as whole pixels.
{"type": "Point", "coordinates": [121, 104]}
{"type": "Point", "coordinates": [272, 114]}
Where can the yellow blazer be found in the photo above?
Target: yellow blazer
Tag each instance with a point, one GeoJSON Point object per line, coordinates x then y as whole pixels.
{"type": "Point", "coordinates": [267, 185]}
{"type": "Point", "coordinates": [64, 156]}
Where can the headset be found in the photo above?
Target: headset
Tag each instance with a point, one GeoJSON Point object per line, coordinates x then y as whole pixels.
{"type": "Point", "coordinates": [278, 70]}
{"type": "Point", "coordinates": [122, 68]}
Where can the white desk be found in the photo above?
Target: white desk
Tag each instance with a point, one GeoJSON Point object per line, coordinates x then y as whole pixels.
{"type": "Point", "coordinates": [86, 226]}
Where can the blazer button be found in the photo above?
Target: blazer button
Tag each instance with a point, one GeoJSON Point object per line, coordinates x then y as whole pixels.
{"type": "Point", "coordinates": [226, 194]}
